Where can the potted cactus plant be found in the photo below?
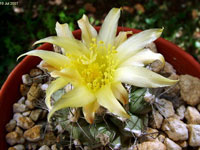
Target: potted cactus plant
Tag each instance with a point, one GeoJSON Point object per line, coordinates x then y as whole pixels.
{"type": "Point", "coordinates": [109, 77]}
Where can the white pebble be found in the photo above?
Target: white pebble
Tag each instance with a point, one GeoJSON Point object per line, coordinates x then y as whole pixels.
{"type": "Point", "coordinates": [44, 147]}
{"type": "Point", "coordinates": [44, 87]}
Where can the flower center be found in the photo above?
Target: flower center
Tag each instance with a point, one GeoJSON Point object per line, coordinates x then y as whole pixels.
{"type": "Point", "coordinates": [97, 68]}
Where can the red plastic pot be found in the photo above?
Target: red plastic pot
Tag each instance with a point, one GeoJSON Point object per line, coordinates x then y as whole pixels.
{"type": "Point", "coordinates": [9, 94]}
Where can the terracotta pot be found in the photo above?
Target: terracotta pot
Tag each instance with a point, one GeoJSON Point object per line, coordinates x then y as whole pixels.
{"type": "Point", "coordinates": [9, 94]}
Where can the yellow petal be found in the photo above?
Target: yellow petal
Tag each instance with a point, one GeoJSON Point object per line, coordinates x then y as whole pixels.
{"type": "Point", "coordinates": [69, 74]}
{"type": "Point", "coordinates": [45, 65]}
{"type": "Point", "coordinates": [88, 32]}
{"type": "Point", "coordinates": [106, 99]}
{"type": "Point", "coordinates": [120, 92]}
{"type": "Point", "coordinates": [143, 57]}
{"type": "Point", "coordinates": [70, 45]}
{"type": "Point", "coordinates": [78, 97]}
{"type": "Point", "coordinates": [141, 77]}
{"type": "Point", "coordinates": [54, 86]}
{"type": "Point", "coordinates": [63, 30]}
{"type": "Point", "coordinates": [121, 37]}
{"type": "Point", "coordinates": [108, 29]}
{"type": "Point", "coordinates": [89, 111]}
{"type": "Point", "coordinates": [136, 42]}
{"type": "Point", "coordinates": [54, 59]}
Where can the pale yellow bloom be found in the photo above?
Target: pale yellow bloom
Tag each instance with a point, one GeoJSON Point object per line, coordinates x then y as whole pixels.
{"type": "Point", "coordinates": [98, 65]}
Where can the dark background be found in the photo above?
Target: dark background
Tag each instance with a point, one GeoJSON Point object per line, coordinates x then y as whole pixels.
{"type": "Point", "coordinates": [31, 20]}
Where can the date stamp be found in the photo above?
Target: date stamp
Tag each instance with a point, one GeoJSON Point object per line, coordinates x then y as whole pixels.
{"type": "Point", "coordinates": [9, 3]}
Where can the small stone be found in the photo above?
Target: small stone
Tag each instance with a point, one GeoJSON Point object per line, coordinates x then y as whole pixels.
{"type": "Point", "coordinates": [152, 134]}
{"type": "Point", "coordinates": [171, 145]}
{"type": "Point", "coordinates": [49, 139]}
{"type": "Point", "coordinates": [53, 147]}
{"type": "Point", "coordinates": [175, 129]}
{"type": "Point", "coordinates": [152, 47]}
{"type": "Point", "coordinates": [44, 87]}
{"type": "Point", "coordinates": [14, 138]}
{"type": "Point", "coordinates": [17, 116]}
{"type": "Point", "coordinates": [17, 108]}
{"type": "Point", "coordinates": [11, 148]}
{"type": "Point", "coordinates": [26, 114]}
{"type": "Point", "coordinates": [151, 145]}
{"type": "Point", "coordinates": [165, 107]}
{"type": "Point", "coordinates": [19, 147]}
{"type": "Point", "coordinates": [21, 100]}
{"type": "Point", "coordinates": [25, 122]}
{"type": "Point", "coordinates": [168, 70]}
{"type": "Point", "coordinates": [192, 115]}
{"type": "Point", "coordinates": [44, 147]}
{"type": "Point", "coordinates": [39, 79]}
{"type": "Point", "coordinates": [24, 89]}
{"type": "Point", "coordinates": [173, 92]}
{"type": "Point", "coordinates": [161, 138]}
{"type": "Point", "coordinates": [11, 125]}
{"type": "Point", "coordinates": [33, 134]}
{"type": "Point", "coordinates": [157, 119]}
{"type": "Point", "coordinates": [19, 131]}
{"type": "Point", "coordinates": [35, 114]}
{"type": "Point", "coordinates": [181, 112]}
{"type": "Point", "coordinates": [198, 107]}
{"type": "Point", "coordinates": [59, 128]}
{"type": "Point", "coordinates": [34, 92]}
{"type": "Point", "coordinates": [32, 146]}
{"type": "Point", "coordinates": [176, 117]}
{"type": "Point", "coordinates": [182, 144]}
{"type": "Point", "coordinates": [194, 135]}
{"type": "Point", "coordinates": [190, 92]}
{"type": "Point", "coordinates": [26, 79]}
{"type": "Point", "coordinates": [77, 143]}
{"type": "Point", "coordinates": [35, 72]}
{"type": "Point", "coordinates": [30, 104]}
{"type": "Point", "coordinates": [156, 66]}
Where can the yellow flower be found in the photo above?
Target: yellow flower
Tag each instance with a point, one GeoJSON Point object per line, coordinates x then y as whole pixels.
{"type": "Point", "coordinates": [98, 65]}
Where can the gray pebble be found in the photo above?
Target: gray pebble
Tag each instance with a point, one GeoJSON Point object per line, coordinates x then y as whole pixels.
{"type": "Point", "coordinates": [19, 147]}
{"type": "Point", "coordinates": [29, 104]}
{"type": "Point", "coordinates": [38, 79]}
{"type": "Point", "coordinates": [53, 147]}
{"type": "Point", "coordinates": [11, 125]}
{"type": "Point", "coordinates": [35, 72]}
{"type": "Point", "coordinates": [32, 146]}
{"type": "Point", "coordinates": [35, 114]}
{"type": "Point", "coordinates": [44, 87]}
{"type": "Point", "coordinates": [26, 114]}
{"type": "Point", "coordinates": [44, 147]}
{"type": "Point", "coordinates": [26, 79]}
{"type": "Point", "coordinates": [17, 108]}
{"type": "Point", "coordinates": [21, 100]}
{"type": "Point", "coordinates": [33, 134]}
{"type": "Point", "coordinates": [25, 122]}
{"type": "Point", "coordinates": [14, 138]}
{"type": "Point", "coordinates": [19, 131]}
{"type": "Point", "coordinates": [198, 107]}
{"type": "Point", "coordinates": [16, 116]}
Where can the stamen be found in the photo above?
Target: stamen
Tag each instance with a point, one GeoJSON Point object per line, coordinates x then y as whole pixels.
{"type": "Point", "coordinates": [96, 68]}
